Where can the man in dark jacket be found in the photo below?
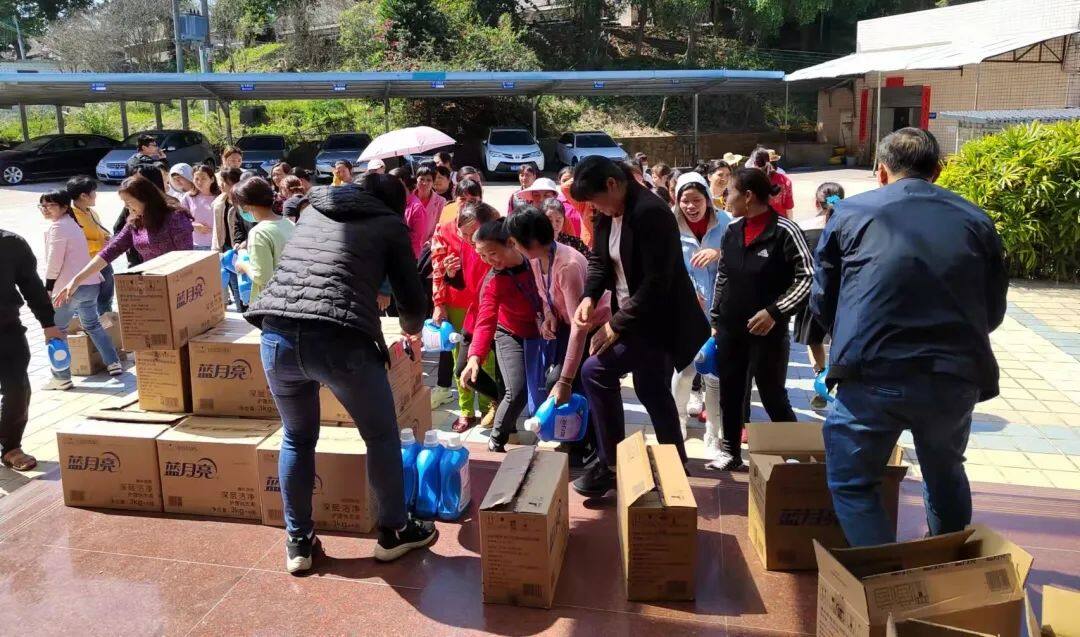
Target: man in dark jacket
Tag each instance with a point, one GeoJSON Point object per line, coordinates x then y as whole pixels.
{"type": "Point", "coordinates": [18, 280]}
{"type": "Point", "coordinates": [147, 153]}
{"type": "Point", "coordinates": [657, 325]}
{"type": "Point", "coordinates": [911, 280]}
{"type": "Point", "coordinates": [321, 325]}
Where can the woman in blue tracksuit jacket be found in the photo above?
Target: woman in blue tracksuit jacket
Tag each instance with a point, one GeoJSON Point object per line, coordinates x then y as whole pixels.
{"type": "Point", "coordinates": [701, 228]}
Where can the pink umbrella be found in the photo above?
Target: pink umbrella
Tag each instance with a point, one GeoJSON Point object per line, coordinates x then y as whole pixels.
{"type": "Point", "coordinates": [405, 141]}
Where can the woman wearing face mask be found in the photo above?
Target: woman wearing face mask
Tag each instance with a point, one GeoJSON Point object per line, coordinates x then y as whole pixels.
{"type": "Point", "coordinates": [701, 228]}
{"type": "Point", "coordinates": [510, 313]}
{"type": "Point", "coordinates": [457, 273]}
{"type": "Point", "coordinates": [224, 220]}
{"type": "Point", "coordinates": [154, 227]}
{"type": "Point", "coordinates": [763, 277]}
{"type": "Point", "coordinates": [66, 253]}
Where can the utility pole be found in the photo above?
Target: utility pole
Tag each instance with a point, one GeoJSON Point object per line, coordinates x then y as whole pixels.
{"type": "Point", "coordinates": [204, 51]}
{"type": "Point", "coordinates": [179, 58]}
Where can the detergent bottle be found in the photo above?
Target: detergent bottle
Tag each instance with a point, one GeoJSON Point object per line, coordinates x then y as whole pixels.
{"type": "Point", "coordinates": [705, 360]}
{"type": "Point", "coordinates": [427, 476]}
{"type": "Point", "coordinates": [821, 388]}
{"type": "Point", "coordinates": [227, 267]}
{"type": "Point", "coordinates": [59, 354]}
{"type": "Point", "coordinates": [410, 448]}
{"type": "Point", "coordinates": [561, 423]}
{"type": "Point", "coordinates": [244, 281]}
{"type": "Point", "coordinates": [439, 338]}
{"type": "Point", "coordinates": [454, 473]}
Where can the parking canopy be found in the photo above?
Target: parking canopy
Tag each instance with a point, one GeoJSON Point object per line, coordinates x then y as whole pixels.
{"type": "Point", "coordinates": [74, 89]}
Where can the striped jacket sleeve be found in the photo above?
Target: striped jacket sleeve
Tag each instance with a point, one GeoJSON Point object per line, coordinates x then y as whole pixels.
{"type": "Point", "coordinates": [797, 253]}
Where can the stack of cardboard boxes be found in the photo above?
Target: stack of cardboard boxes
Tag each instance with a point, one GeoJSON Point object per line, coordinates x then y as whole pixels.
{"type": "Point", "coordinates": [221, 461]}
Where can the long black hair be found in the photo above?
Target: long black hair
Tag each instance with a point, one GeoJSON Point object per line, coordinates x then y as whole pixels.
{"type": "Point", "coordinates": [756, 181]}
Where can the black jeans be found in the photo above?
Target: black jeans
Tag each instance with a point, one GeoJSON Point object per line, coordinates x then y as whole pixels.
{"type": "Point", "coordinates": [510, 354]}
{"type": "Point", "coordinates": [445, 376]}
{"type": "Point", "coordinates": [14, 387]}
{"type": "Point", "coordinates": [485, 384]}
{"type": "Point", "coordinates": [745, 356]}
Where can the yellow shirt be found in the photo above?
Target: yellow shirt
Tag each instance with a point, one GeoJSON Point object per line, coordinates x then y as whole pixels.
{"type": "Point", "coordinates": [449, 212]}
{"type": "Point", "coordinates": [96, 234]}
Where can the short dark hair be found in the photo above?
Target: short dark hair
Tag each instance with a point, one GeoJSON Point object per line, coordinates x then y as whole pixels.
{"type": "Point", "coordinates": [756, 181]}
{"type": "Point", "coordinates": [476, 211]}
{"type": "Point", "coordinates": [144, 140]}
{"type": "Point", "coordinates": [255, 191]}
{"type": "Point", "coordinates": [717, 165]}
{"type": "Point", "coordinates": [302, 173]}
{"type": "Point", "coordinates": [230, 176]}
{"type": "Point", "coordinates": [554, 205]}
{"type": "Point", "coordinates": [528, 168]}
{"type": "Point", "coordinates": [564, 171]}
{"type": "Point", "coordinates": [81, 185]}
{"type": "Point", "coordinates": [494, 231]}
{"type": "Point", "coordinates": [591, 176]}
{"type": "Point", "coordinates": [528, 225]}
{"type": "Point", "coordinates": [425, 171]}
{"type": "Point", "coordinates": [444, 171]}
{"type": "Point", "coordinates": [759, 157]}
{"type": "Point", "coordinates": [468, 187]}
{"type": "Point", "coordinates": [386, 188]}
{"type": "Point", "coordinates": [248, 174]}
{"type": "Point", "coordinates": [57, 196]}
{"type": "Point", "coordinates": [151, 173]}
{"type": "Point", "coordinates": [343, 162]}
{"type": "Point", "coordinates": [466, 171]}
{"type": "Point", "coordinates": [405, 175]}
{"type": "Point", "coordinates": [910, 152]}
{"type": "Point", "coordinates": [230, 151]}
{"type": "Point", "coordinates": [444, 157]}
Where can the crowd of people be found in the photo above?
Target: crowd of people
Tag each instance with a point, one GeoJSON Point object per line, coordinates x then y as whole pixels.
{"type": "Point", "coordinates": [611, 269]}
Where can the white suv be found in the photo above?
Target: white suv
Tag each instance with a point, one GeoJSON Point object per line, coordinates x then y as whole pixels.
{"type": "Point", "coordinates": [507, 149]}
{"type": "Point", "coordinates": [575, 146]}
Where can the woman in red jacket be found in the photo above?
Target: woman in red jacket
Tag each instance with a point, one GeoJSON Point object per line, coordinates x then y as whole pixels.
{"type": "Point", "coordinates": [510, 312]}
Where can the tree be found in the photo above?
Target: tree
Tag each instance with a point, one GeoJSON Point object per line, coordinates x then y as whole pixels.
{"type": "Point", "coordinates": [490, 11]}
{"type": "Point", "coordinates": [683, 16]}
{"type": "Point", "coordinates": [117, 35]}
{"type": "Point", "coordinates": [414, 22]}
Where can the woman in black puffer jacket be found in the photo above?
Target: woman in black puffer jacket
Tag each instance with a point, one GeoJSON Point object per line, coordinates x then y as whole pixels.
{"type": "Point", "coordinates": [321, 325]}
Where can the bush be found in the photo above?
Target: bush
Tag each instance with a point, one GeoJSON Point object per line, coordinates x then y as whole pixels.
{"type": "Point", "coordinates": [1027, 178]}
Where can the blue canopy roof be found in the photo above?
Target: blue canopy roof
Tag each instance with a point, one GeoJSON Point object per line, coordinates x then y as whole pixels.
{"type": "Point", "coordinates": [79, 88]}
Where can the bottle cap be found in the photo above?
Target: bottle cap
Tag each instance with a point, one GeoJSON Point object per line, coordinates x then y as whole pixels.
{"type": "Point", "coordinates": [455, 337]}
{"type": "Point", "coordinates": [453, 441]}
{"type": "Point", "coordinates": [407, 436]}
{"type": "Point", "coordinates": [532, 424]}
{"type": "Point", "coordinates": [431, 438]}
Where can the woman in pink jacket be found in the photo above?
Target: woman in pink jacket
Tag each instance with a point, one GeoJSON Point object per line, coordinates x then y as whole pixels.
{"type": "Point", "coordinates": [66, 253]}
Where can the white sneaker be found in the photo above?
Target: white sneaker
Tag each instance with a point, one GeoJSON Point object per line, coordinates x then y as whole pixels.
{"type": "Point", "coordinates": [695, 405]}
{"type": "Point", "coordinates": [440, 396]}
{"type": "Point", "coordinates": [58, 384]}
{"type": "Point", "coordinates": [115, 369]}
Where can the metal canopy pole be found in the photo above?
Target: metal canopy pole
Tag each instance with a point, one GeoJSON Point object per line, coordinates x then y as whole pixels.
{"type": "Point", "coordinates": [694, 158]}
{"type": "Point", "coordinates": [877, 122]}
{"type": "Point", "coordinates": [22, 122]}
{"type": "Point", "coordinates": [60, 119]}
{"type": "Point", "coordinates": [787, 100]}
{"type": "Point", "coordinates": [386, 108]}
{"type": "Point", "coordinates": [535, 105]}
{"type": "Point", "coordinates": [157, 115]}
{"type": "Point", "coordinates": [227, 107]}
{"type": "Point", "coordinates": [183, 114]}
{"type": "Point", "coordinates": [123, 118]}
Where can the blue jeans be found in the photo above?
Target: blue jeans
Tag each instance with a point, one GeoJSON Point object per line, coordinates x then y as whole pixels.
{"type": "Point", "coordinates": [861, 431]}
{"type": "Point", "coordinates": [84, 304]}
{"type": "Point", "coordinates": [105, 294]}
{"type": "Point", "coordinates": [298, 356]}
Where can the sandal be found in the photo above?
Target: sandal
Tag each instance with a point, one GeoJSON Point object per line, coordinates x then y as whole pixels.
{"type": "Point", "coordinates": [18, 460]}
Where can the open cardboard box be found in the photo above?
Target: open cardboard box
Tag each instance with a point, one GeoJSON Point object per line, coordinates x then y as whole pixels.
{"type": "Point", "coordinates": [972, 579]}
{"type": "Point", "coordinates": [1061, 618]}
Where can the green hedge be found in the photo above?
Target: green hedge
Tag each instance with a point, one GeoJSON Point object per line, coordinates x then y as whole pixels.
{"type": "Point", "coordinates": [1027, 178]}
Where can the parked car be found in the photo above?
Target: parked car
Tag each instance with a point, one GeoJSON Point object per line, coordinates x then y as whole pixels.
{"type": "Point", "coordinates": [575, 146]}
{"type": "Point", "coordinates": [507, 149]}
{"type": "Point", "coordinates": [53, 156]}
{"type": "Point", "coordinates": [262, 152]}
{"type": "Point", "coordinates": [337, 147]}
{"type": "Point", "coordinates": [184, 146]}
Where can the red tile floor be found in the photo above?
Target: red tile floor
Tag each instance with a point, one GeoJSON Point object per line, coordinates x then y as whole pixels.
{"type": "Point", "coordinates": [67, 571]}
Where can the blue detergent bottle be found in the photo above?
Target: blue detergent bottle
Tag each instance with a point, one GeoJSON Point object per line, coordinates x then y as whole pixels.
{"type": "Point", "coordinates": [439, 338]}
{"type": "Point", "coordinates": [454, 495]}
{"type": "Point", "coordinates": [561, 423]}
{"type": "Point", "coordinates": [428, 483]}
{"type": "Point", "coordinates": [227, 267]}
{"type": "Point", "coordinates": [244, 281]}
{"type": "Point", "coordinates": [821, 387]}
{"type": "Point", "coordinates": [59, 354]}
{"type": "Point", "coordinates": [410, 449]}
{"type": "Point", "coordinates": [705, 359]}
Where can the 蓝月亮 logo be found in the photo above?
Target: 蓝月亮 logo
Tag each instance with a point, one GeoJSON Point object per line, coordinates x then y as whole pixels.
{"type": "Point", "coordinates": [107, 461]}
{"type": "Point", "coordinates": [239, 369]}
{"type": "Point", "coordinates": [193, 293]}
{"type": "Point", "coordinates": [201, 468]}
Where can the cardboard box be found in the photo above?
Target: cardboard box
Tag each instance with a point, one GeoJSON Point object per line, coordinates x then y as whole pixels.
{"type": "Point", "coordinates": [341, 499]}
{"type": "Point", "coordinates": [110, 465]}
{"type": "Point", "coordinates": [1060, 619]}
{"type": "Point", "coordinates": [973, 579]}
{"type": "Point", "coordinates": [657, 521]}
{"type": "Point", "coordinates": [415, 412]}
{"type": "Point", "coordinates": [524, 527]}
{"type": "Point", "coordinates": [227, 377]}
{"type": "Point", "coordinates": [163, 379]}
{"type": "Point", "coordinates": [166, 301]}
{"type": "Point", "coordinates": [127, 409]}
{"type": "Point", "coordinates": [790, 504]}
{"type": "Point", "coordinates": [209, 466]}
{"type": "Point", "coordinates": [85, 358]}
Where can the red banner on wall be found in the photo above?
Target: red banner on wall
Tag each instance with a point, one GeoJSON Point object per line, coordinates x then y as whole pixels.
{"type": "Point", "coordinates": [924, 118]}
{"type": "Point", "coordinates": [864, 99]}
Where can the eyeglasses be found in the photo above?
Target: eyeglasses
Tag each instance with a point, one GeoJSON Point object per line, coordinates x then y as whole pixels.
{"type": "Point", "coordinates": [47, 205]}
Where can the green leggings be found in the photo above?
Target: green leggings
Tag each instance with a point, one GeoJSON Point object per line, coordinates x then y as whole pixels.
{"type": "Point", "coordinates": [456, 316]}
